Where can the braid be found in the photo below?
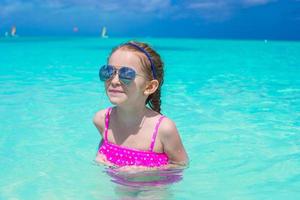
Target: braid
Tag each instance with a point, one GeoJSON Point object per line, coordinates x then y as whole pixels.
{"type": "Point", "coordinates": [154, 100]}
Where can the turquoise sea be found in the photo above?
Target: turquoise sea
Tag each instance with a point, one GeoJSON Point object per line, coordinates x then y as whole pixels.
{"type": "Point", "coordinates": [236, 104]}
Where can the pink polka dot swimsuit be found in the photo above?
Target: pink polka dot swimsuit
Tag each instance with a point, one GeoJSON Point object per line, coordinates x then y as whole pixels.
{"type": "Point", "coordinates": [124, 156]}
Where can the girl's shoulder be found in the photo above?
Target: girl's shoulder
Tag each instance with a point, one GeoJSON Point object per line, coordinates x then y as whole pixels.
{"type": "Point", "coordinates": [99, 120]}
{"type": "Point", "coordinates": [167, 127]}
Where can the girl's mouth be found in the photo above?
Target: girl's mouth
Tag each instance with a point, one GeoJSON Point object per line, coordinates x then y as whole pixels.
{"type": "Point", "coordinates": [115, 91]}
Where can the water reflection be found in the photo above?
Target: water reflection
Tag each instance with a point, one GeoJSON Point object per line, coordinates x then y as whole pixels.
{"type": "Point", "coordinates": [145, 178]}
{"type": "Point", "coordinates": [144, 184]}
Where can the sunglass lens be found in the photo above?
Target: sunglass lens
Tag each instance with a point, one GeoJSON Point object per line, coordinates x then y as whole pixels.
{"type": "Point", "coordinates": [126, 75]}
{"type": "Point", "coordinates": [106, 72]}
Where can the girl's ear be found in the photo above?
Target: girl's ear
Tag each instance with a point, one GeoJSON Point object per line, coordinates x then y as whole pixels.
{"type": "Point", "coordinates": [151, 87]}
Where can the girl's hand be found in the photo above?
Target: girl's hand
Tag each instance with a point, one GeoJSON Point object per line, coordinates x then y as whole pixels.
{"type": "Point", "coordinates": [130, 169]}
{"type": "Point", "coordinates": [103, 160]}
{"type": "Point", "coordinates": [135, 169]}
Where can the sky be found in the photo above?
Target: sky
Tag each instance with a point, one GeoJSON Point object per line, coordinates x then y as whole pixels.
{"type": "Point", "coordinates": [214, 19]}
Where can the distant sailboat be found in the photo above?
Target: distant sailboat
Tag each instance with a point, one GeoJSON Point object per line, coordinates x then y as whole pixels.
{"type": "Point", "coordinates": [103, 32]}
{"type": "Point", "coordinates": [13, 32]}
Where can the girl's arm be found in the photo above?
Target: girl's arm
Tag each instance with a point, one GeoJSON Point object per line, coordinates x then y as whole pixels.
{"type": "Point", "coordinates": [99, 120]}
{"type": "Point", "coordinates": [172, 144]}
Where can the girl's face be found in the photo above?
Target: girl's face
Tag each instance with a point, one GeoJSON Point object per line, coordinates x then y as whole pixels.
{"type": "Point", "coordinates": [133, 93]}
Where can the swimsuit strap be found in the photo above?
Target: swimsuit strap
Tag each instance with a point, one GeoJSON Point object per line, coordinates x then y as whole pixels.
{"type": "Point", "coordinates": [155, 133]}
{"type": "Point", "coordinates": [107, 116]}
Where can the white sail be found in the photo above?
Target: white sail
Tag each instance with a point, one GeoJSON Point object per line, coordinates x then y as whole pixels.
{"type": "Point", "coordinates": [13, 31]}
{"type": "Point", "coordinates": [103, 32]}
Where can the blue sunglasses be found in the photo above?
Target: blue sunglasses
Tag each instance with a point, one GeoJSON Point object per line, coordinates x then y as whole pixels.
{"type": "Point", "coordinates": [125, 74]}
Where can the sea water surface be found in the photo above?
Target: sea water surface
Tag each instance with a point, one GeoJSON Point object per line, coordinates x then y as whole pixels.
{"type": "Point", "coordinates": [236, 105]}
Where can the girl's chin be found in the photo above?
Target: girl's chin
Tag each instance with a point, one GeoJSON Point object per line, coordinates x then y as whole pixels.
{"type": "Point", "coordinates": [116, 101]}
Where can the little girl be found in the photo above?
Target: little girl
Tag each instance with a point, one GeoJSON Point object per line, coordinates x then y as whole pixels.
{"type": "Point", "coordinates": [134, 134]}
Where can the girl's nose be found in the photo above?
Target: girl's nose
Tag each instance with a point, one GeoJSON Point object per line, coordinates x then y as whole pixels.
{"type": "Point", "coordinates": [115, 79]}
